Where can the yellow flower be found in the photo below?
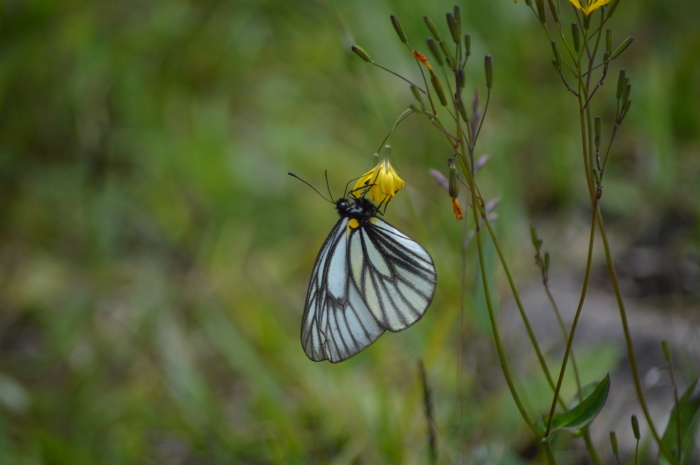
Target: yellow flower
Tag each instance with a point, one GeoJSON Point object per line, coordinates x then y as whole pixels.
{"type": "Point", "coordinates": [383, 182]}
{"type": "Point", "coordinates": [589, 5]}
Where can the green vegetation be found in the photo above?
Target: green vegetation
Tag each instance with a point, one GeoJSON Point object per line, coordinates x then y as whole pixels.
{"type": "Point", "coordinates": [154, 254]}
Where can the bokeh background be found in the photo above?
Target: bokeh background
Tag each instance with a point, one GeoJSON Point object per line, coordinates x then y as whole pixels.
{"type": "Point", "coordinates": [154, 254]}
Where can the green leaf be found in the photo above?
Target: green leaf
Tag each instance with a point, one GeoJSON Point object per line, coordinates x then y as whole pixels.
{"type": "Point", "coordinates": [579, 416]}
{"type": "Point", "coordinates": [689, 407]}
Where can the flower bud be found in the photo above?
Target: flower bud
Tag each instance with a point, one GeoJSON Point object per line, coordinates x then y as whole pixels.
{"type": "Point", "coordinates": [611, 8]}
{"type": "Point", "coordinates": [540, 11]}
{"type": "Point", "coordinates": [454, 27]}
{"type": "Point", "coordinates": [435, 51]}
{"type": "Point", "coordinates": [361, 53]}
{"type": "Point", "coordinates": [555, 12]}
{"type": "Point", "coordinates": [627, 105]}
{"type": "Point", "coordinates": [457, 11]}
{"type": "Point", "coordinates": [460, 106]}
{"type": "Point", "coordinates": [626, 90]}
{"type": "Point", "coordinates": [415, 108]}
{"type": "Point", "coordinates": [417, 93]}
{"type": "Point", "coordinates": [667, 351]}
{"type": "Point", "coordinates": [433, 29]}
{"type": "Point", "coordinates": [621, 48]}
{"type": "Point", "coordinates": [398, 28]}
{"type": "Point", "coordinates": [446, 50]}
{"type": "Point", "coordinates": [467, 44]}
{"type": "Point", "coordinates": [460, 78]}
{"type": "Point", "coordinates": [453, 184]}
{"type": "Point", "coordinates": [613, 442]}
{"type": "Point", "coordinates": [635, 427]}
{"type": "Point", "coordinates": [489, 71]}
{"type": "Point", "coordinates": [557, 57]}
{"type": "Point", "coordinates": [438, 89]}
{"type": "Point", "coordinates": [621, 80]}
{"type": "Point", "coordinates": [536, 241]}
{"type": "Point", "coordinates": [577, 37]}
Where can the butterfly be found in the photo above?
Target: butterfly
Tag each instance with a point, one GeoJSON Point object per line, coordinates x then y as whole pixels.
{"type": "Point", "coordinates": [368, 277]}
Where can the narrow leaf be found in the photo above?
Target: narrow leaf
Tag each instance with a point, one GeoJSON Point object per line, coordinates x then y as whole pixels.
{"type": "Point", "coordinates": [580, 415]}
{"type": "Point", "coordinates": [689, 406]}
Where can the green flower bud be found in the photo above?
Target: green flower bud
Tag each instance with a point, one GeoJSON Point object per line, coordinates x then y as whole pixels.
{"type": "Point", "coordinates": [460, 106]}
{"type": "Point", "coordinates": [625, 43]}
{"type": "Point", "coordinates": [557, 57]}
{"type": "Point", "coordinates": [361, 53]}
{"type": "Point", "coordinates": [454, 27]}
{"type": "Point", "coordinates": [489, 71]}
{"type": "Point", "coordinates": [453, 184]}
{"type": "Point", "coordinates": [446, 50]}
{"type": "Point", "coordinates": [536, 241]}
{"type": "Point", "coordinates": [611, 7]}
{"type": "Point", "coordinates": [417, 93]}
{"type": "Point", "coordinates": [415, 108]}
{"type": "Point", "coordinates": [635, 427]}
{"type": "Point", "coordinates": [621, 83]}
{"type": "Point", "coordinates": [438, 89]}
{"type": "Point", "coordinates": [540, 11]}
{"type": "Point", "coordinates": [577, 37]}
{"type": "Point", "coordinates": [613, 442]}
{"type": "Point", "coordinates": [433, 29]}
{"type": "Point", "coordinates": [667, 351]}
{"type": "Point", "coordinates": [555, 12]}
{"type": "Point", "coordinates": [627, 105]}
{"type": "Point", "coordinates": [467, 44]}
{"type": "Point", "coordinates": [435, 51]}
{"type": "Point", "coordinates": [398, 28]}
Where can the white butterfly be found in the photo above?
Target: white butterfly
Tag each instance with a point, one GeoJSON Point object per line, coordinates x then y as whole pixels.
{"type": "Point", "coordinates": [368, 277]}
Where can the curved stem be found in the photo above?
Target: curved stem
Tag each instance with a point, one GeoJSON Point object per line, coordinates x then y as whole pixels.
{"type": "Point", "coordinates": [628, 341]}
{"type": "Point", "coordinates": [572, 333]}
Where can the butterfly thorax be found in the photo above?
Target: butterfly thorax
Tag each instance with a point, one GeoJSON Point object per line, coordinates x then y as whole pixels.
{"type": "Point", "coordinates": [359, 208]}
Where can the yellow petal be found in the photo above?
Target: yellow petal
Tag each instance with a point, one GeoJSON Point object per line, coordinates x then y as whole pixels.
{"type": "Point", "coordinates": [590, 5]}
{"type": "Point", "coordinates": [383, 182]}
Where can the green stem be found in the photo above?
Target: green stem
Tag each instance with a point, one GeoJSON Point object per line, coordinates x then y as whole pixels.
{"type": "Point", "coordinates": [572, 333]}
{"type": "Point", "coordinates": [489, 305]}
{"type": "Point", "coordinates": [550, 454]}
{"type": "Point", "coordinates": [518, 302]}
{"type": "Point", "coordinates": [589, 445]}
{"type": "Point", "coordinates": [628, 341]}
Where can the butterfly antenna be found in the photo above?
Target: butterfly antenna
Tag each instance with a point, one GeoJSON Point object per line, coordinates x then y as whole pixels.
{"type": "Point", "coordinates": [328, 185]}
{"type": "Point", "coordinates": [322, 196]}
{"type": "Point", "coordinates": [351, 181]}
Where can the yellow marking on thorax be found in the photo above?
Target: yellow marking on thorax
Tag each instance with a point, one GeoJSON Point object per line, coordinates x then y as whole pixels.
{"type": "Point", "coordinates": [373, 220]}
{"type": "Point", "coordinates": [353, 224]}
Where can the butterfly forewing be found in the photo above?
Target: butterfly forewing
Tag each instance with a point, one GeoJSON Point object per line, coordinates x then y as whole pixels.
{"type": "Point", "coordinates": [368, 277]}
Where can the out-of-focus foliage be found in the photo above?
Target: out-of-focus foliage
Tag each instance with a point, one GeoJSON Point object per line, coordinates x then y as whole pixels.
{"type": "Point", "coordinates": [154, 254]}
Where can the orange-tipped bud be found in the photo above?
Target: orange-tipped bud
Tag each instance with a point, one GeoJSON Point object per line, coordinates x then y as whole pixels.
{"type": "Point", "coordinates": [457, 209]}
{"type": "Point", "coordinates": [420, 57]}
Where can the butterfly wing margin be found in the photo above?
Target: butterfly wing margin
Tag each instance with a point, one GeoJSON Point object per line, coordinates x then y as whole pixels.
{"type": "Point", "coordinates": [395, 275]}
{"type": "Point", "coordinates": [337, 323]}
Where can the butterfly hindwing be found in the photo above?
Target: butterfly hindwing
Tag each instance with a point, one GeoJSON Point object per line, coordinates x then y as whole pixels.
{"type": "Point", "coordinates": [366, 279]}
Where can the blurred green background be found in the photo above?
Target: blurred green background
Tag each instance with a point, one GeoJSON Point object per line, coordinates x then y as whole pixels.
{"type": "Point", "coordinates": [154, 254]}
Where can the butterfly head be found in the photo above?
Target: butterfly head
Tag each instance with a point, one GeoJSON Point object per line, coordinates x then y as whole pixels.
{"type": "Point", "coordinates": [358, 208]}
